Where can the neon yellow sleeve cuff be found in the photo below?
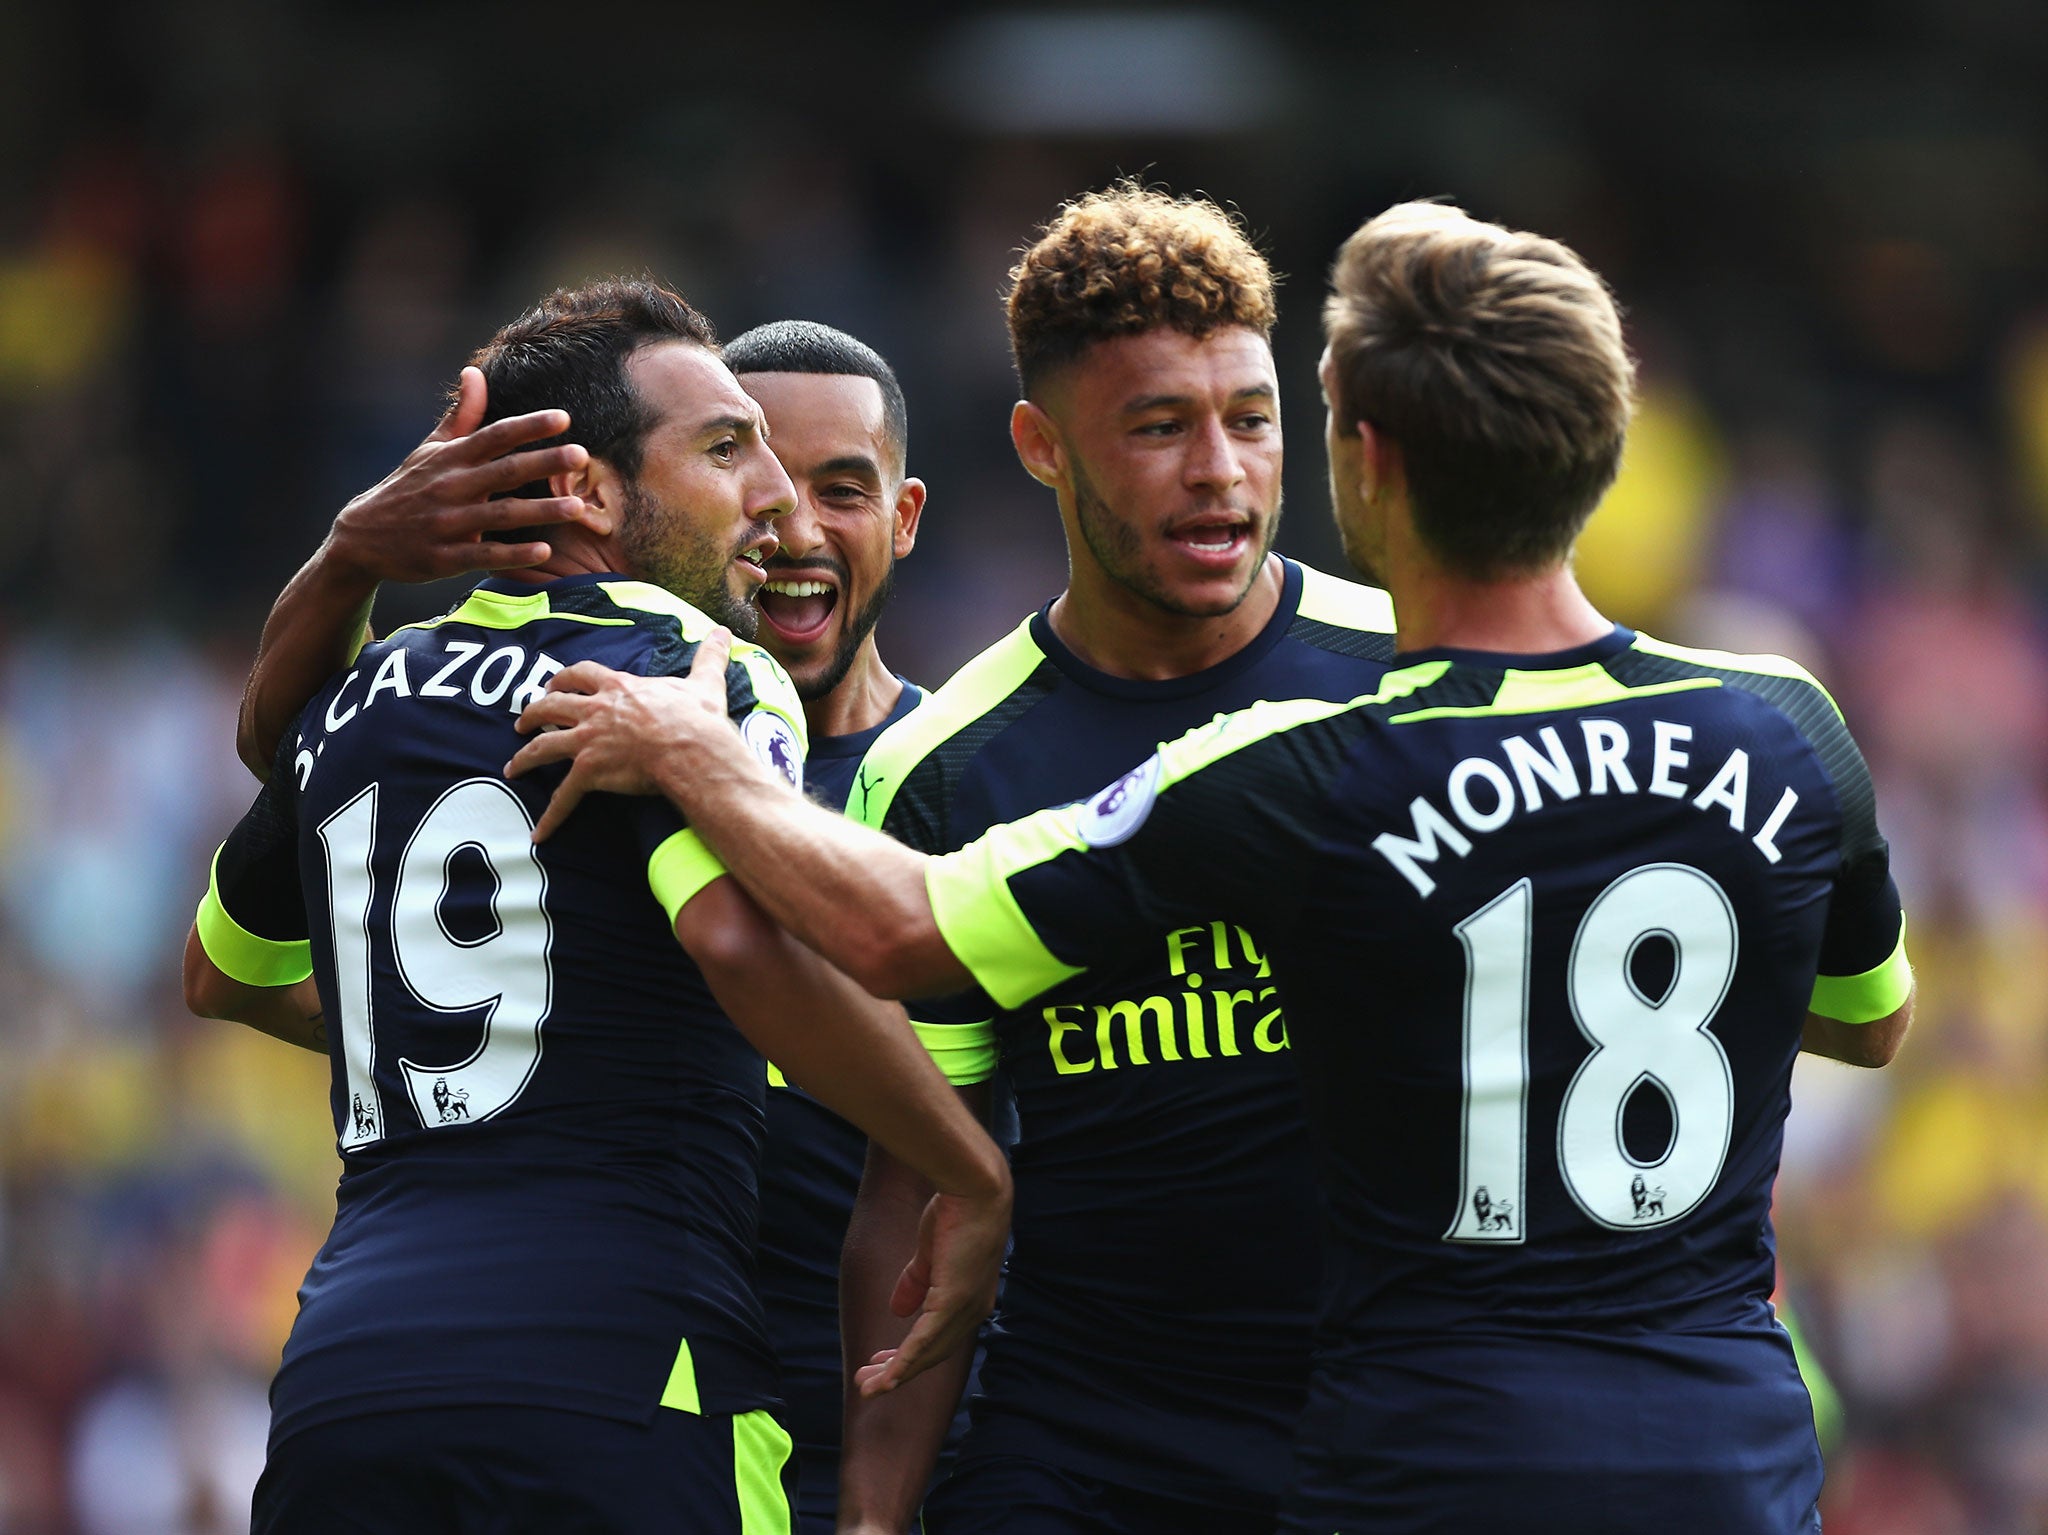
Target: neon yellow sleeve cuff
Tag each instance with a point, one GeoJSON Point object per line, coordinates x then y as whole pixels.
{"type": "Point", "coordinates": [1865, 998]}
{"type": "Point", "coordinates": [965, 1052]}
{"type": "Point", "coordinates": [239, 953]}
{"type": "Point", "coordinates": [679, 868]}
{"type": "Point", "coordinates": [983, 924]}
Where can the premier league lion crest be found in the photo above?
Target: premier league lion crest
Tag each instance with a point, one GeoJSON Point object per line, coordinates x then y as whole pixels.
{"type": "Point", "coordinates": [1118, 811]}
{"type": "Point", "coordinates": [775, 743]}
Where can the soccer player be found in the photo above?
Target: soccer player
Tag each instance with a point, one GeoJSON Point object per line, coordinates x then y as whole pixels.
{"type": "Point", "coordinates": [1555, 905]}
{"type": "Point", "coordinates": [1152, 1350]}
{"type": "Point", "coordinates": [535, 1310]}
{"type": "Point", "coordinates": [838, 424]}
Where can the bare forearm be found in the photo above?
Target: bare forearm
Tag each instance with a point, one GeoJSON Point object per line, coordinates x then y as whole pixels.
{"type": "Point", "coordinates": [1858, 1044]}
{"type": "Point", "coordinates": [854, 1054]}
{"type": "Point", "coordinates": [289, 1013]}
{"type": "Point", "coordinates": [891, 1442]}
{"type": "Point", "coordinates": [314, 629]}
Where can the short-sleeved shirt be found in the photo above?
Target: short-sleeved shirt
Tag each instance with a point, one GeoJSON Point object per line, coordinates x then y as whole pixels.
{"type": "Point", "coordinates": [1549, 928]}
{"type": "Point", "coordinates": [810, 1172]}
{"type": "Point", "coordinates": [1160, 1296]}
{"type": "Point", "coordinates": [548, 1129]}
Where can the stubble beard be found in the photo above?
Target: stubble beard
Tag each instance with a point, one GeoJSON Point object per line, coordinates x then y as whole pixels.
{"type": "Point", "coordinates": [1119, 549]}
{"type": "Point", "coordinates": [666, 548]}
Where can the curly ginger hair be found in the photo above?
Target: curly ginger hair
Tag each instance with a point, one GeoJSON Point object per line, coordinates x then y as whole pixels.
{"type": "Point", "coordinates": [1127, 259]}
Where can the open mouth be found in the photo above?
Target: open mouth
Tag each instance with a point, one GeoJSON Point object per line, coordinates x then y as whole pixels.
{"type": "Point", "coordinates": [751, 560]}
{"type": "Point", "coordinates": [797, 607]}
{"type": "Point", "coordinates": [1218, 541]}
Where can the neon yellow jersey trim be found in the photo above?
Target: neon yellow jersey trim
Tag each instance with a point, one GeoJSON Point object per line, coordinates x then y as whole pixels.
{"type": "Point", "coordinates": [1758, 665]}
{"type": "Point", "coordinates": [761, 1447]}
{"type": "Point", "coordinates": [1208, 744]}
{"type": "Point", "coordinates": [976, 688]}
{"type": "Point", "coordinates": [1538, 692]}
{"type": "Point", "coordinates": [970, 890]}
{"type": "Point", "coordinates": [506, 610]}
{"type": "Point", "coordinates": [1876, 993]}
{"type": "Point", "coordinates": [775, 1076]}
{"type": "Point", "coordinates": [240, 954]}
{"type": "Point", "coordinates": [680, 868]}
{"type": "Point", "coordinates": [772, 687]}
{"type": "Point", "coordinates": [978, 916]}
{"type": "Point", "coordinates": [965, 1052]}
{"type": "Point", "coordinates": [681, 1390]}
{"type": "Point", "coordinates": [1329, 599]}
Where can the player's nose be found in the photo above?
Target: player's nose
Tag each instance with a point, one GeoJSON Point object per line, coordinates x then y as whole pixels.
{"type": "Point", "coordinates": [802, 530]}
{"type": "Point", "coordinates": [769, 491]}
{"type": "Point", "coordinates": [1212, 461]}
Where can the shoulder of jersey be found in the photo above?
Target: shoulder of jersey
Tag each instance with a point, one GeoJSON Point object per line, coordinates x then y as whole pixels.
{"type": "Point", "coordinates": [627, 604]}
{"type": "Point", "coordinates": [1346, 616]}
{"type": "Point", "coordinates": [1776, 679]}
{"type": "Point", "coordinates": [941, 726]}
{"type": "Point", "coordinates": [1432, 690]}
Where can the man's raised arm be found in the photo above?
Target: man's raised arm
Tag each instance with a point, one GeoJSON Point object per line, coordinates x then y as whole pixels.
{"type": "Point", "coordinates": [425, 520]}
{"type": "Point", "coordinates": [849, 892]}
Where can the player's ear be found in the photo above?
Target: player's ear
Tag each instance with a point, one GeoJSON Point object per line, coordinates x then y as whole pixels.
{"type": "Point", "coordinates": [1375, 454]}
{"type": "Point", "coordinates": [600, 489]}
{"type": "Point", "coordinates": [1038, 445]}
{"type": "Point", "coordinates": [909, 510]}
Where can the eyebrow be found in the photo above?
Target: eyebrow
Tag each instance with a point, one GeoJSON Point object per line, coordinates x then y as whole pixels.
{"type": "Point", "coordinates": [1164, 401]}
{"type": "Point", "coordinates": [730, 423]}
{"type": "Point", "coordinates": [850, 463]}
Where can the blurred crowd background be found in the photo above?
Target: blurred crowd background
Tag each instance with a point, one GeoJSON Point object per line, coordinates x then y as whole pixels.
{"type": "Point", "coordinates": [244, 246]}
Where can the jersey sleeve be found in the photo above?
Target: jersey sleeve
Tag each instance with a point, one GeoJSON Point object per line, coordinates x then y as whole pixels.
{"type": "Point", "coordinates": [1864, 973]}
{"type": "Point", "coordinates": [1224, 820]}
{"type": "Point", "coordinates": [252, 919]}
{"type": "Point", "coordinates": [763, 706]}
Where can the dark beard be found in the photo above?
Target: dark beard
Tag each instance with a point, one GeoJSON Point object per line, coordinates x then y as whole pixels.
{"type": "Point", "coordinates": [1120, 551]}
{"type": "Point", "coordinates": [720, 606]}
{"type": "Point", "coordinates": [665, 550]}
{"type": "Point", "coordinates": [850, 642]}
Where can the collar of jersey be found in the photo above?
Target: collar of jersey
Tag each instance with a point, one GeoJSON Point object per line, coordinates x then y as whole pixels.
{"type": "Point", "coordinates": [508, 588]}
{"type": "Point", "coordinates": [1055, 651]}
{"type": "Point", "coordinates": [856, 743]}
{"type": "Point", "coordinates": [1610, 644]}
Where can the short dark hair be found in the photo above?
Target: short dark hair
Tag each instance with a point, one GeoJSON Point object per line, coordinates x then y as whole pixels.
{"type": "Point", "coordinates": [1496, 360]}
{"type": "Point", "coordinates": [569, 352]}
{"type": "Point", "coordinates": [805, 346]}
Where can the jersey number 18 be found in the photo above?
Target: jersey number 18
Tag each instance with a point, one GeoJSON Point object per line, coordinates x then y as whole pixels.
{"type": "Point", "coordinates": [1637, 1042]}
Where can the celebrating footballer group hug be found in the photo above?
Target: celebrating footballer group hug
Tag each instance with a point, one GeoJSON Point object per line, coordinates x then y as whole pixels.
{"type": "Point", "coordinates": [1346, 1030]}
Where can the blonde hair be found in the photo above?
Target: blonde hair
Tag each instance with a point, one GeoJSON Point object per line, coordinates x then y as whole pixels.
{"type": "Point", "coordinates": [1495, 360]}
{"type": "Point", "coordinates": [1128, 259]}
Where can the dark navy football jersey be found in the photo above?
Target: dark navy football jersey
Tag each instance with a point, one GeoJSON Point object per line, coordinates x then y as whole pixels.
{"type": "Point", "coordinates": [1548, 929]}
{"type": "Point", "coordinates": [548, 1129]}
{"type": "Point", "coordinates": [1158, 1305]}
{"type": "Point", "coordinates": [810, 1172]}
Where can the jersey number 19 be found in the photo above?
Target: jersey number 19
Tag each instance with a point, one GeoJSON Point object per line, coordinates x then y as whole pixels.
{"type": "Point", "coordinates": [506, 969]}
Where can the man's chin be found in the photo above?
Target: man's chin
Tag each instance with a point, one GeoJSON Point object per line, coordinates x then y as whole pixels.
{"type": "Point", "coordinates": [1210, 596]}
{"type": "Point", "coordinates": [737, 614]}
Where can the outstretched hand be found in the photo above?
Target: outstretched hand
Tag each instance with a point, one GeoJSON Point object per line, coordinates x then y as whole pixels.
{"type": "Point", "coordinates": [949, 1284]}
{"type": "Point", "coordinates": [428, 517]}
{"type": "Point", "coordinates": [618, 731]}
